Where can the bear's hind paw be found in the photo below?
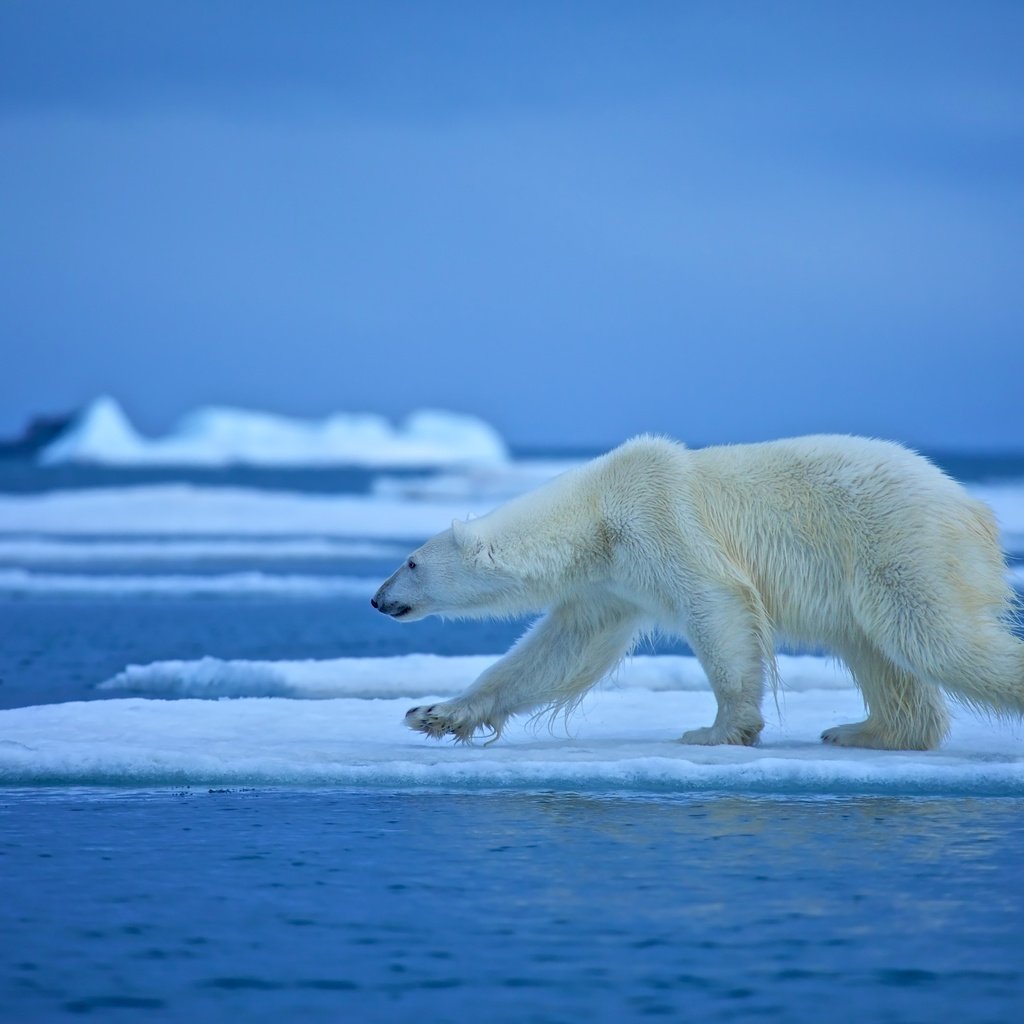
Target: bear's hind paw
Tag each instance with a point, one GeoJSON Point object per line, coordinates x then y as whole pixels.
{"type": "Point", "coordinates": [853, 734]}
{"type": "Point", "coordinates": [862, 734]}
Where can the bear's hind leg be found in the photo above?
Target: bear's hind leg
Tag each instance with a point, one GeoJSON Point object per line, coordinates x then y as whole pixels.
{"type": "Point", "coordinates": [904, 713]}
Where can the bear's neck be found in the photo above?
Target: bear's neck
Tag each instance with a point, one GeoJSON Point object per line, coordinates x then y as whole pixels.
{"type": "Point", "coordinates": [548, 536]}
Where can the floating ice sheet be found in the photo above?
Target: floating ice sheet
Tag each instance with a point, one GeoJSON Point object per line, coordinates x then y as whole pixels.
{"type": "Point", "coordinates": [621, 740]}
{"type": "Point", "coordinates": [623, 737]}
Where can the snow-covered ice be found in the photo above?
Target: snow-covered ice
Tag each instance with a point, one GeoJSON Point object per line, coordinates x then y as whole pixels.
{"type": "Point", "coordinates": [623, 737]}
{"type": "Point", "coordinates": [102, 433]}
{"type": "Point", "coordinates": [620, 739]}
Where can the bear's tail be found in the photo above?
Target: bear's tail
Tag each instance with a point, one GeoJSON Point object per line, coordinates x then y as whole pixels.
{"type": "Point", "coordinates": [988, 674]}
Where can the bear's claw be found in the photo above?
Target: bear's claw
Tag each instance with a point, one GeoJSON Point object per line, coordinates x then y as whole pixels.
{"type": "Point", "coordinates": [439, 720]}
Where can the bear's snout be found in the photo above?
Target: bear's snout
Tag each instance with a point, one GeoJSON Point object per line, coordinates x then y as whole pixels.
{"type": "Point", "coordinates": [383, 604]}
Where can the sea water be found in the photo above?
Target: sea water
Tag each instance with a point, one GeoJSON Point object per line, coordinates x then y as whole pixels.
{"type": "Point", "coordinates": [271, 905]}
{"type": "Point", "coordinates": [209, 807]}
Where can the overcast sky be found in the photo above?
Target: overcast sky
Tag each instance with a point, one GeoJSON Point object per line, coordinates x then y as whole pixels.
{"type": "Point", "coordinates": [722, 221]}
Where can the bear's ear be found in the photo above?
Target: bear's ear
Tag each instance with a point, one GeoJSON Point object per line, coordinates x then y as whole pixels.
{"type": "Point", "coordinates": [466, 538]}
{"type": "Point", "coordinates": [470, 543]}
{"type": "Point", "coordinates": [460, 534]}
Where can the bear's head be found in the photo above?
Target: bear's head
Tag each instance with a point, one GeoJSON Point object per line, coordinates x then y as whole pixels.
{"type": "Point", "coordinates": [458, 573]}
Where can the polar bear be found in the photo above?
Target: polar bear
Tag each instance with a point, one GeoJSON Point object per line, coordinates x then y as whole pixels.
{"type": "Point", "coordinates": [857, 546]}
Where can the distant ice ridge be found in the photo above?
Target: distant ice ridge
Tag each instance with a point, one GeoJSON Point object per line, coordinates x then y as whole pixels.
{"type": "Point", "coordinates": [215, 436]}
{"type": "Point", "coordinates": [419, 675]}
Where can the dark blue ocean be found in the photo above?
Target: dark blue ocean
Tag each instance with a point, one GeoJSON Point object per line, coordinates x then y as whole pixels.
{"type": "Point", "coordinates": [256, 902]}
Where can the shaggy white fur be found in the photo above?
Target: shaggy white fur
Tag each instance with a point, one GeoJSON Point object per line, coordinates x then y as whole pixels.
{"type": "Point", "coordinates": [853, 545]}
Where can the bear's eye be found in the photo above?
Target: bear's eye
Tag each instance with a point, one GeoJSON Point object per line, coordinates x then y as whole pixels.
{"type": "Point", "coordinates": [411, 564]}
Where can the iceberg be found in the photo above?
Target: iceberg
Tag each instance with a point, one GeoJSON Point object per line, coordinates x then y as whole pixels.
{"type": "Point", "coordinates": [216, 436]}
{"type": "Point", "coordinates": [99, 433]}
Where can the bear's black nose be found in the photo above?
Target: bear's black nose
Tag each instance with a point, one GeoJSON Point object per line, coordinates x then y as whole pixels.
{"type": "Point", "coordinates": [373, 601]}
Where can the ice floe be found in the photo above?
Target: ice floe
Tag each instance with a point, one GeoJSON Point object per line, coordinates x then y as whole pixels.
{"type": "Point", "coordinates": [619, 740]}
{"type": "Point", "coordinates": [622, 738]}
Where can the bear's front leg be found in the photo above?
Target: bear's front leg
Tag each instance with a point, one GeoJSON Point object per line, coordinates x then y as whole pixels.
{"type": "Point", "coordinates": [731, 642]}
{"type": "Point", "coordinates": [457, 718]}
{"type": "Point", "coordinates": [553, 665]}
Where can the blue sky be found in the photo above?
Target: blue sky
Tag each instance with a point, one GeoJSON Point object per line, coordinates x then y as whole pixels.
{"type": "Point", "coordinates": [722, 221]}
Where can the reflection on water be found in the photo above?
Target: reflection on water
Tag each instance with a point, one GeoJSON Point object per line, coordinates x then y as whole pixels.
{"type": "Point", "coordinates": [274, 905]}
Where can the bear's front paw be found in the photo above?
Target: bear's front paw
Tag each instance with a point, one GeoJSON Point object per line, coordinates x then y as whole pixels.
{"type": "Point", "coordinates": [448, 719]}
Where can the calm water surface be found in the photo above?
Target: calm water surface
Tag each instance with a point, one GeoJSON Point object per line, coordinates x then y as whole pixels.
{"type": "Point", "coordinates": [275, 905]}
